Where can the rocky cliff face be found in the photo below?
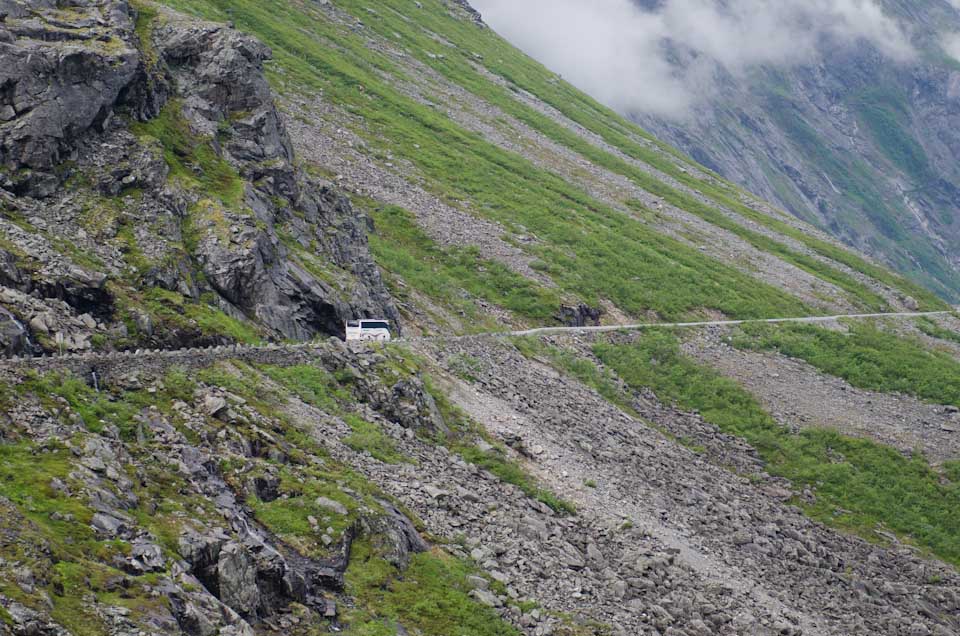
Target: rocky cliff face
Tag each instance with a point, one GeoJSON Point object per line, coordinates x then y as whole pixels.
{"type": "Point", "coordinates": [151, 163]}
{"type": "Point", "coordinates": [859, 144]}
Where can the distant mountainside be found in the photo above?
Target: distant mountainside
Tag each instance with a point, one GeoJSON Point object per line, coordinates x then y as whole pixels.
{"type": "Point", "coordinates": [859, 145]}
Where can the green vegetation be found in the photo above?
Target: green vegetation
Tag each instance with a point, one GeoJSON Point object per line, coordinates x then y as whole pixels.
{"type": "Point", "coordinates": [305, 493]}
{"type": "Point", "coordinates": [178, 312]}
{"type": "Point", "coordinates": [462, 440]}
{"type": "Point", "coordinates": [509, 63]}
{"type": "Point", "coordinates": [312, 384]}
{"type": "Point", "coordinates": [464, 367]}
{"type": "Point", "coordinates": [192, 160]}
{"type": "Point", "coordinates": [602, 381]}
{"type": "Point", "coordinates": [289, 515]}
{"type": "Point", "coordinates": [97, 410]}
{"type": "Point", "coordinates": [934, 330]}
{"type": "Point", "coordinates": [368, 437]}
{"type": "Point", "coordinates": [460, 166]}
{"type": "Point", "coordinates": [860, 486]}
{"type": "Point", "coordinates": [497, 463]}
{"type": "Point", "coordinates": [72, 563]}
{"type": "Point", "coordinates": [454, 277]}
{"type": "Point", "coordinates": [146, 15]}
{"type": "Point", "coordinates": [431, 597]}
{"type": "Point", "coordinates": [886, 117]}
{"type": "Point", "coordinates": [867, 357]}
{"type": "Point", "coordinates": [318, 387]}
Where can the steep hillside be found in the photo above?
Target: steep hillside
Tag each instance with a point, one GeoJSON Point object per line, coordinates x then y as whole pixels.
{"type": "Point", "coordinates": [570, 486]}
{"type": "Point", "coordinates": [861, 145]}
{"type": "Point", "coordinates": [156, 196]}
{"type": "Point", "coordinates": [197, 193]}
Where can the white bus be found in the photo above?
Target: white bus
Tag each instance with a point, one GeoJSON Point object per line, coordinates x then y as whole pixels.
{"type": "Point", "coordinates": [368, 330]}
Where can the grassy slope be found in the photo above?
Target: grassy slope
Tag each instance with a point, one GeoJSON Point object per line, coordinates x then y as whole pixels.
{"type": "Point", "coordinates": [866, 357]}
{"type": "Point", "coordinates": [591, 251]}
{"type": "Point", "coordinates": [430, 597]}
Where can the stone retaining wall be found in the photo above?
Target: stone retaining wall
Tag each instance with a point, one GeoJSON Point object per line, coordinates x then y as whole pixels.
{"type": "Point", "coordinates": [148, 363]}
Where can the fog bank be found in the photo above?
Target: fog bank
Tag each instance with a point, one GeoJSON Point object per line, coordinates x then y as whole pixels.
{"type": "Point", "coordinates": [664, 59]}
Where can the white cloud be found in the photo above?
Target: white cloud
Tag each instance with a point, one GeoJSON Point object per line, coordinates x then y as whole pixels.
{"type": "Point", "coordinates": [627, 57]}
{"type": "Point", "coordinates": [950, 43]}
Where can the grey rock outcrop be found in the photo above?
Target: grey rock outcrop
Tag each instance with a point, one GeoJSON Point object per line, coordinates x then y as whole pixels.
{"type": "Point", "coordinates": [14, 335]}
{"type": "Point", "coordinates": [580, 316]}
{"type": "Point", "coordinates": [279, 249]}
{"type": "Point", "coordinates": [218, 74]}
{"type": "Point", "coordinates": [60, 79]}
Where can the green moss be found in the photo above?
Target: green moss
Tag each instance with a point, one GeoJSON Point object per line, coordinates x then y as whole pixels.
{"type": "Point", "coordinates": [143, 27]}
{"type": "Point", "coordinates": [431, 597]}
{"type": "Point", "coordinates": [132, 254]}
{"type": "Point", "coordinates": [95, 410]}
{"type": "Point", "coordinates": [312, 384]}
{"type": "Point", "coordinates": [26, 473]}
{"type": "Point", "coordinates": [367, 437]}
{"type": "Point", "coordinates": [244, 381]}
{"type": "Point", "coordinates": [176, 311]}
{"type": "Point", "coordinates": [860, 485]}
{"type": "Point", "coordinates": [192, 159]}
{"type": "Point", "coordinates": [300, 487]}
{"type": "Point", "coordinates": [79, 256]}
